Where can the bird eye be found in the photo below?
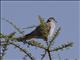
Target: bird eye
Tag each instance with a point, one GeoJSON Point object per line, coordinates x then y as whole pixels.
{"type": "Point", "coordinates": [48, 20]}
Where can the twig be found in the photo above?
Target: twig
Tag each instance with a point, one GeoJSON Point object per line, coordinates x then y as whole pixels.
{"type": "Point", "coordinates": [62, 47]}
{"type": "Point", "coordinates": [55, 35]}
{"type": "Point", "coordinates": [22, 50]}
{"type": "Point", "coordinates": [37, 44]}
{"type": "Point", "coordinates": [30, 27]}
{"type": "Point", "coordinates": [43, 55]}
{"type": "Point", "coordinates": [13, 25]}
{"type": "Point", "coordinates": [49, 55]}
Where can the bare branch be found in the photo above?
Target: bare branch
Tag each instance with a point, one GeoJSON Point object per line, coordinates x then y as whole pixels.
{"type": "Point", "coordinates": [30, 27]}
{"type": "Point", "coordinates": [43, 55]}
{"type": "Point", "coordinates": [13, 25]}
{"type": "Point", "coordinates": [23, 50]}
{"type": "Point", "coordinates": [62, 46]}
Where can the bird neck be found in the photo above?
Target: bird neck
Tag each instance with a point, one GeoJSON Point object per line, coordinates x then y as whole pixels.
{"type": "Point", "coordinates": [51, 29]}
{"type": "Point", "coordinates": [52, 24]}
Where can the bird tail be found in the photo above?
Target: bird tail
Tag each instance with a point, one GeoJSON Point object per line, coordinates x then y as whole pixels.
{"type": "Point", "coordinates": [25, 37]}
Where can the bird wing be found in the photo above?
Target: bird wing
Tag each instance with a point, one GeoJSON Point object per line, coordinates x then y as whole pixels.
{"type": "Point", "coordinates": [41, 31]}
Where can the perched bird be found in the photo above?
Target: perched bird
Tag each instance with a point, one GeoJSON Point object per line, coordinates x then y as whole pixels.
{"type": "Point", "coordinates": [42, 31]}
{"type": "Point", "coordinates": [52, 23]}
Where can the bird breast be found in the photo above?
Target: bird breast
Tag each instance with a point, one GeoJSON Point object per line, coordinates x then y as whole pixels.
{"type": "Point", "coordinates": [52, 27]}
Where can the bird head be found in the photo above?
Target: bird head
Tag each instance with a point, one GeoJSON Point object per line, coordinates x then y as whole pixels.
{"type": "Point", "coordinates": [51, 22]}
{"type": "Point", "coordinates": [51, 19]}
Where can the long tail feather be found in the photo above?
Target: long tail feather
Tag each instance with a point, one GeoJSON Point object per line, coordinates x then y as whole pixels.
{"type": "Point", "coordinates": [26, 37]}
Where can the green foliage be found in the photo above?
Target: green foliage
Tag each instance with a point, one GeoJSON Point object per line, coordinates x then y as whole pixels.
{"type": "Point", "coordinates": [35, 43]}
{"type": "Point", "coordinates": [2, 36]}
{"type": "Point", "coordinates": [7, 40]}
{"type": "Point", "coordinates": [42, 22]}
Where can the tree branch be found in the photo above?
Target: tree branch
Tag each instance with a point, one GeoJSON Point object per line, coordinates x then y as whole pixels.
{"type": "Point", "coordinates": [28, 54]}
{"type": "Point", "coordinates": [55, 35]}
{"type": "Point", "coordinates": [62, 47]}
{"type": "Point", "coordinates": [49, 55]}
